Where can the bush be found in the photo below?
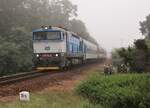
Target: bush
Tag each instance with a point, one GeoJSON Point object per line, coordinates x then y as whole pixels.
{"type": "Point", "coordinates": [118, 91]}
{"type": "Point", "coordinates": [16, 53]}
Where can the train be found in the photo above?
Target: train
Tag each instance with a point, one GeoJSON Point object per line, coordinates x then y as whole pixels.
{"type": "Point", "coordinates": [58, 48]}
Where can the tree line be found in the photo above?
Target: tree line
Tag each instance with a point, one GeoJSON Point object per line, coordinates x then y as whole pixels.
{"type": "Point", "coordinates": [19, 17]}
{"type": "Point", "coordinates": [137, 56]}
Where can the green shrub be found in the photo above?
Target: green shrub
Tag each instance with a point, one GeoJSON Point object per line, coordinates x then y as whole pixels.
{"type": "Point", "coordinates": [118, 91]}
{"type": "Point", "coordinates": [16, 53]}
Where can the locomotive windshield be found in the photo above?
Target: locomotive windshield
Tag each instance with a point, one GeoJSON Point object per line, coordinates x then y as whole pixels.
{"type": "Point", "coordinates": [47, 36]}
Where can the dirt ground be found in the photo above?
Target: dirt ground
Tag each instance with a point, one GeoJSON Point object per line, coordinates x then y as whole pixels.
{"type": "Point", "coordinates": [55, 82]}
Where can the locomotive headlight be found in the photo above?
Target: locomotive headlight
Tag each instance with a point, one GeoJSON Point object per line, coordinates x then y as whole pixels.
{"type": "Point", "coordinates": [56, 55]}
{"type": "Point", "coordinates": [37, 55]}
{"type": "Point", "coordinates": [46, 27]}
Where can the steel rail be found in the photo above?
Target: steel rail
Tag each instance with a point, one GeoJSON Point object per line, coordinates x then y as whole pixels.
{"type": "Point", "coordinates": [18, 77]}
{"type": "Point", "coordinates": [29, 75]}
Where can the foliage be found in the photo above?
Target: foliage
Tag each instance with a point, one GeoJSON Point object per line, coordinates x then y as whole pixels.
{"type": "Point", "coordinates": [16, 53]}
{"type": "Point", "coordinates": [116, 59]}
{"type": "Point", "coordinates": [136, 57]}
{"type": "Point", "coordinates": [79, 27]}
{"type": "Point", "coordinates": [145, 27]}
{"type": "Point", "coordinates": [118, 91]}
{"type": "Point", "coordinates": [140, 44]}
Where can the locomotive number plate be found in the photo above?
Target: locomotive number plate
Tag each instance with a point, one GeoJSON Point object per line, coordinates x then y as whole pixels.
{"type": "Point", "coordinates": [47, 48]}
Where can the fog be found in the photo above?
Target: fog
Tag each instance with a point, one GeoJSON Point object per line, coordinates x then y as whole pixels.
{"type": "Point", "coordinates": [113, 23]}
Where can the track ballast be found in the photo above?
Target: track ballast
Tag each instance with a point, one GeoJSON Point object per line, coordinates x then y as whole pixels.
{"type": "Point", "coordinates": [19, 77]}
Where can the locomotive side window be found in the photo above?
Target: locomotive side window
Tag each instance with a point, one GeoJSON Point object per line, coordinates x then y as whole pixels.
{"type": "Point", "coordinates": [62, 35]}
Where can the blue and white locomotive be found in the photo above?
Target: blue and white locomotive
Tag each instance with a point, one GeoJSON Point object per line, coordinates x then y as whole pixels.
{"type": "Point", "coordinates": [57, 48]}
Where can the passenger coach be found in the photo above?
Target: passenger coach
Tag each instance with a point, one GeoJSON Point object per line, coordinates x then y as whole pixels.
{"type": "Point", "coordinates": [57, 48]}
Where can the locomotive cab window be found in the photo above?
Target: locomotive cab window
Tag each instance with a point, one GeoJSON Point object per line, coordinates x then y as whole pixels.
{"type": "Point", "coordinates": [47, 35]}
{"type": "Point", "coordinates": [53, 36]}
{"type": "Point", "coordinates": [40, 36]}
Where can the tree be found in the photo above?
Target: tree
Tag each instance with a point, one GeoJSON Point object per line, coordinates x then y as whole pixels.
{"type": "Point", "coordinates": [145, 27]}
{"type": "Point", "coordinates": [136, 57]}
{"type": "Point", "coordinates": [60, 12]}
{"type": "Point", "coordinates": [116, 59]}
{"type": "Point", "coordinates": [79, 27]}
{"type": "Point", "coordinates": [140, 44]}
{"type": "Point", "coordinates": [16, 53]}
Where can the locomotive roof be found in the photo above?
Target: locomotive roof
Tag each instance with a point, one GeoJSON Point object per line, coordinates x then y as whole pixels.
{"type": "Point", "coordinates": [57, 29]}
{"type": "Point", "coordinates": [53, 29]}
{"type": "Point", "coordinates": [46, 30]}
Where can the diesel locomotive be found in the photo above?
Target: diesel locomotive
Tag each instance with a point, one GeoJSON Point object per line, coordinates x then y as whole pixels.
{"type": "Point", "coordinates": [58, 48]}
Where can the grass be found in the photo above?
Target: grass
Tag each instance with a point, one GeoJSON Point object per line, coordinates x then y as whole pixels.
{"type": "Point", "coordinates": [104, 87]}
{"type": "Point", "coordinates": [51, 100]}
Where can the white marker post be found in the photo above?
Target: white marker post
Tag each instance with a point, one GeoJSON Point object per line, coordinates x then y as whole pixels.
{"type": "Point", "coordinates": [24, 96]}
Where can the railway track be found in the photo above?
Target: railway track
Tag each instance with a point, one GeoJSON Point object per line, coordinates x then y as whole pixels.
{"type": "Point", "coordinates": [19, 77]}
{"type": "Point", "coordinates": [6, 80]}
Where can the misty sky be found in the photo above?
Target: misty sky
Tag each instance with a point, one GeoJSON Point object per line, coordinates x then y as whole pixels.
{"type": "Point", "coordinates": [114, 23]}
